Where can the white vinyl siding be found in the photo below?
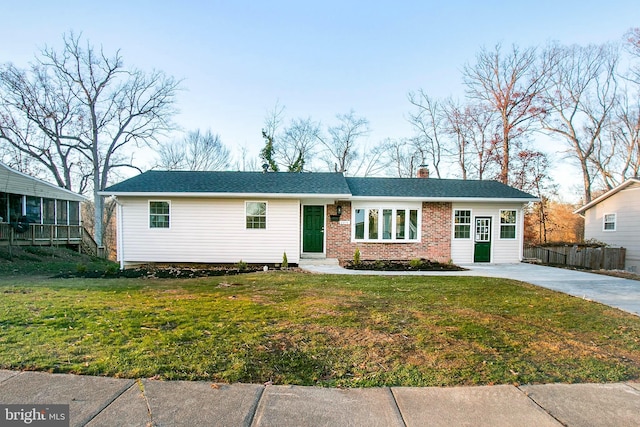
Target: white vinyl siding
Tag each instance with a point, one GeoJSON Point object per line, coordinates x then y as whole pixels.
{"type": "Point", "coordinates": [502, 250]}
{"type": "Point", "coordinates": [626, 205]}
{"type": "Point", "coordinates": [209, 231]}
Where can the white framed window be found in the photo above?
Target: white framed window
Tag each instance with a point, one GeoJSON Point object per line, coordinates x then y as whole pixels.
{"type": "Point", "coordinates": [256, 215]}
{"type": "Point", "coordinates": [609, 222]}
{"type": "Point", "coordinates": [462, 224]}
{"type": "Point", "coordinates": [386, 224]}
{"type": "Point", "coordinates": [159, 214]}
{"type": "Point", "coordinates": [508, 223]}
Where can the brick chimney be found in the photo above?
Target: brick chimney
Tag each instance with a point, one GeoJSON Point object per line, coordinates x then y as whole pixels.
{"type": "Point", "coordinates": [423, 171]}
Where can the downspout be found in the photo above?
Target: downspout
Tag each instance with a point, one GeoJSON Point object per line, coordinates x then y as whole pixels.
{"type": "Point", "coordinates": [119, 234]}
{"type": "Point", "coordinates": [521, 234]}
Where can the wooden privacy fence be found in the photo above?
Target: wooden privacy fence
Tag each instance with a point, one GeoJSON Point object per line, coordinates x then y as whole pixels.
{"type": "Point", "coordinates": [593, 258]}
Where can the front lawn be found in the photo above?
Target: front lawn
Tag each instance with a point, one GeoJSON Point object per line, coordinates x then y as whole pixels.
{"type": "Point", "coordinates": [308, 329]}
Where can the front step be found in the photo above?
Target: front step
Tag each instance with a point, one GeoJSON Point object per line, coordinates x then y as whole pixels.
{"type": "Point", "coordinates": [318, 261]}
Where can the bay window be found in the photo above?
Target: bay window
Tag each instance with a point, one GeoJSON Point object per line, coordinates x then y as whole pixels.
{"type": "Point", "coordinates": [373, 224]}
{"type": "Point", "coordinates": [386, 224]}
{"type": "Point", "coordinates": [359, 224]}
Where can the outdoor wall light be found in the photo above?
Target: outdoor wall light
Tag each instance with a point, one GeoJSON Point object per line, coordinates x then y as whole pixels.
{"type": "Point", "coordinates": [339, 210]}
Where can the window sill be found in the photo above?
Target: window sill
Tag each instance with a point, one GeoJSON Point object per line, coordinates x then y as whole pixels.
{"type": "Point", "coordinates": [386, 241]}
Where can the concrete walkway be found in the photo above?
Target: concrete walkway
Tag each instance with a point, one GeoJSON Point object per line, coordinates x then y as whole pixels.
{"type": "Point", "coordinates": [612, 291]}
{"type": "Point", "coordinates": [99, 401]}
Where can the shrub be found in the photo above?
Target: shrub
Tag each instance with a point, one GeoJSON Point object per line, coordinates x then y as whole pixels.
{"type": "Point", "coordinates": [285, 261]}
{"type": "Point", "coordinates": [356, 257]}
{"type": "Point", "coordinates": [241, 265]}
{"type": "Point", "coordinates": [415, 263]}
{"type": "Point", "coordinates": [113, 269]}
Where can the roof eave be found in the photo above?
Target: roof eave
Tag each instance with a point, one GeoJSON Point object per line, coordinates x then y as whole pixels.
{"type": "Point", "coordinates": [337, 196]}
{"type": "Point", "coordinates": [606, 195]}
{"type": "Point", "coordinates": [449, 199]}
{"type": "Point", "coordinates": [73, 196]}
{"type": "Point", "coordinates": [225, 195]}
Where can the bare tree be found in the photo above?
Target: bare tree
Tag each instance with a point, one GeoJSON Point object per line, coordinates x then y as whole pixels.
{"type": "Point", "coordinates": [625, 130]}
{"type": "Point", "coordinates": [458, 128]}
{"type": "Point", "coordinates": [483, 130]}
{"type": "Point", "coordinates": [197, 151]}
{"type": "Point", "coordinates": [428, 122]}
{"type": "Point", "coordinates": [39, 122]}
{"type": "Point", "coordinates": [402, 156]}
{"type": "Point", "coordinates": [79, 111]}
{"type": "Point", "coordinates": [510, 83]}
{"type": "Point", "coordinates": [531, 174]}
{"type": "Point", "coordinates": [296, 146]}
{"type": "Point", "coordinates": [271, 124]}
{"type": "Point", "coordinates": [579, 103]}
{"type": "Point", "coordinates": [341, 146]}
{"type": "Point", "coordinates": [633, 46]}
{"type": "Point", "coordinates": [472, 129]}
{"type": "Point", "coordinates": [246, 162]}
{"type": "Point", "coordinates": [372, 162]}
{"type": "Point", "coordinates": [625, 136]}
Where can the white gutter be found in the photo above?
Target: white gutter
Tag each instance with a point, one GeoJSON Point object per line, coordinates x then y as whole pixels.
{"type": "Point", "coordinates": [229, 195]}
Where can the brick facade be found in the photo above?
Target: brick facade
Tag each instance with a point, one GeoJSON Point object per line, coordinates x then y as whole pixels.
{"type": "Point", "coordinates": [435, 241]}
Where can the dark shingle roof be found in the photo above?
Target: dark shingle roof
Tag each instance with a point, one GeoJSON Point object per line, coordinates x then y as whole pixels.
{"type": "Point", "coordinates": [433, 188]}
{"type": "Point", "coordinates": [318, 184]}
{"type": "Point", "coordinates": [233, 182]}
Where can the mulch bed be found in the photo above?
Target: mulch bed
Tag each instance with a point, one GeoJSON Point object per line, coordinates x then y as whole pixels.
{"type": "Point", "coordinates": [399, 265]}
{"type": "Point", "coordinates": [177, 272]}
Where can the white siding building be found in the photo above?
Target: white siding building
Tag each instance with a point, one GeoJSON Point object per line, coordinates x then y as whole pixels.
{"type": "Point", "coordinates": [228, 217]}
{"type": "Point", "coordinates": [614, 218]}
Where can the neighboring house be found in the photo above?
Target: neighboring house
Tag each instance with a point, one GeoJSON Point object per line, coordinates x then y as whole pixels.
{"type": "Point", "coordinates": [225, 217]}
{"type": "Point", "coordinates": [614, 218]}
{"type": "Point", "coordinates": [33, 211]}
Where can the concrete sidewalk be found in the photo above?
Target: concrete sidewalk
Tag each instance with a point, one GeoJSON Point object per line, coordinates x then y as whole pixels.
{"type": "Point", "coordinates": [99, 401]}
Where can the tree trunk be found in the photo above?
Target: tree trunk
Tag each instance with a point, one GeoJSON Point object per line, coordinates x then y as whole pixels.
{"type": "Point", "coordinates": [504, 172]}
{"type": "Point", "coordinates": [97, 216]}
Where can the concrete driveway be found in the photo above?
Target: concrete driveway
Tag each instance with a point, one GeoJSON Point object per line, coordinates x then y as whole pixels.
{"type": "Point", "coordinates": [612, 291]}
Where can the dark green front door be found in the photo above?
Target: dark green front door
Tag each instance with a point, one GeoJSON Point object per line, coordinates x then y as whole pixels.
{"type": "Point", "coordinates": [313, 229]}
{"type": "Point", "coordinates": [482, 249]}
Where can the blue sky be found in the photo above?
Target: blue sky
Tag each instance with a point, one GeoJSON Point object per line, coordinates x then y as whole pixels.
{"type": "Point", "coordinates": [318, 59]}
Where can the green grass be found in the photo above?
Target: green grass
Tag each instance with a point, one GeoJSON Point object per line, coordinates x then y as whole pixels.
{"type": "Point", "coordinates": [293, 328]}
{"type": "Point", "coordinates": [44, 260]}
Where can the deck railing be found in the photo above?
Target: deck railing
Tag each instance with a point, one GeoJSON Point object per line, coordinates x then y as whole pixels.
{"type": "Point", "coordinates": [48, 235]}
